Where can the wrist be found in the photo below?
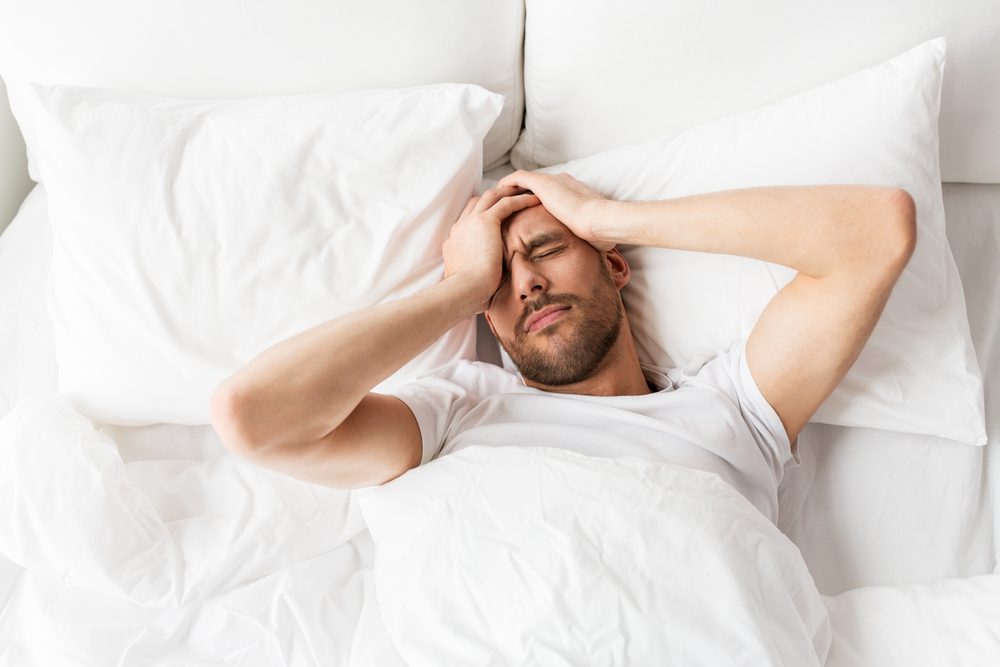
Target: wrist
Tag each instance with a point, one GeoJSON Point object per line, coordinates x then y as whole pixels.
{"type": "Point", "coordinates": [609, 222]}
{"type": "Point", "coordinates": [639, 223]}
{"type": "Point", "coordinates": [467, 293]}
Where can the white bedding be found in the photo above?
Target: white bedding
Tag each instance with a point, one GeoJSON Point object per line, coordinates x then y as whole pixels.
{"type": "Point", "coordinates": [190, 562]}
{"type": "Point", "coordinates": [534, 555]}
{"type": "Point", "coordinates": [950, 622]}
{"type": "Point", "coordinates": [266, 571]}
{"type": "Point", "coordinates": [907, 515]}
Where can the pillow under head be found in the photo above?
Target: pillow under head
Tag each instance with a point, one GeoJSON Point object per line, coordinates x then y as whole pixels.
{"type": "Point", "coordinates": [918, 372]}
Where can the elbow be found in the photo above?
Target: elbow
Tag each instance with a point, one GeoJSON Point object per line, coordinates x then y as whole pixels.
{"type": "Point", "coordinates": [903, 224]}
{"type": "Point", "coordinates": [887, 235]}
{"type": "Point", "coordinates": [229, 423]}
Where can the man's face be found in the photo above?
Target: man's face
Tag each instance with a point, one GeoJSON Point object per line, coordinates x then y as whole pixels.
{"type": "Point", "coordinates": [548, 270]}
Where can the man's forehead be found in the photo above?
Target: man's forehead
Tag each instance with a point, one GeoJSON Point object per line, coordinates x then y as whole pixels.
{"type": "Point", "coordinates": [530, 223]}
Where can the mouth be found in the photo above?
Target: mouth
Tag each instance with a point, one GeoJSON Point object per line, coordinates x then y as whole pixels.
{"type": "Point", "coordinates": [545, 317]}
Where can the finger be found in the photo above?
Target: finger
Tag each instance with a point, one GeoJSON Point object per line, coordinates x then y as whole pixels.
{"type": "Point", "coordinates": [503, 191]}
{"type": "Point", "coordinates": [492, 196]}
{"type": "Point", "coordinates": [510, 205]}
{"type": "Point", "coordinates": [524, 179]}
{"type": "Point", "coordinates": [469, 206]}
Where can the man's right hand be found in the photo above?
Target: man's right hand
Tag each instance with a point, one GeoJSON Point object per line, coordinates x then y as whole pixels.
{"type": "Point", "coordinates": [474, 249]}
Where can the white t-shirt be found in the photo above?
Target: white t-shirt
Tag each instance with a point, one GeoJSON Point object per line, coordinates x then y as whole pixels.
{"type": "Point", "coordinates": [707, 415]}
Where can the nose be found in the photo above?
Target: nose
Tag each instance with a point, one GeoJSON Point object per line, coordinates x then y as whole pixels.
{"type": "Point", "coordinates": [526, 278]}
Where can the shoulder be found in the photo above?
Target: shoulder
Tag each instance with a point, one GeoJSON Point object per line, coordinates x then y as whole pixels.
{"type": "Point", "coordinates": [729, 372]}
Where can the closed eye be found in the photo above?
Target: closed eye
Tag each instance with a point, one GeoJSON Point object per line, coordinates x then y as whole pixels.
{"type": "Point", "coordinates": [549, 252]}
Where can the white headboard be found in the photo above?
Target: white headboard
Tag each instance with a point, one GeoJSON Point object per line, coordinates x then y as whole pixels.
{"type": "Point", "coordinates": [598, 73]}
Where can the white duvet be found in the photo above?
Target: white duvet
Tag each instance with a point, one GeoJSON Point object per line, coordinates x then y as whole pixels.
{"type": "Point", "coordinates": [539, 556]}
{"type": "Point", "coordinates": [490, 556]}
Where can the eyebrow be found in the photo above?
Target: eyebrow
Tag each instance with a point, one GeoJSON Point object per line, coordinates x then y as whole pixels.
{"type": "Point", "coordinates": [538, 241]}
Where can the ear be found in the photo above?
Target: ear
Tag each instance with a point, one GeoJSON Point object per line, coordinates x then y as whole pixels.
{"type": "Point", "coordinates": [618, 267]}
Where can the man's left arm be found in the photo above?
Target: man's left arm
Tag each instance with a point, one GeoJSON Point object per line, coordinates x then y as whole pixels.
{"type": "Point", "coordinates": [849, 244]}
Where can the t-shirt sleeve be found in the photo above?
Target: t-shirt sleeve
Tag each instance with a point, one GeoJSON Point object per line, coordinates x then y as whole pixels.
{"type": "Point", "coordinates": [729, 371]}
{"type": "Point", "coordinates": [437, 400]}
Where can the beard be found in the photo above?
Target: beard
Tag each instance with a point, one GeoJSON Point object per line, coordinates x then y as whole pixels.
{"type": "Point", "coordinates": [577, 356]}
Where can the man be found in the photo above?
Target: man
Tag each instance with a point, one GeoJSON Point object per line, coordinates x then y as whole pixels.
{"type": "Point", "coordinates": [537, 254]}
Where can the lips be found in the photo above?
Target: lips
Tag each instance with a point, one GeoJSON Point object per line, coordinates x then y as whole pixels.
{"type": "Point", "coordinates": [543, 313]}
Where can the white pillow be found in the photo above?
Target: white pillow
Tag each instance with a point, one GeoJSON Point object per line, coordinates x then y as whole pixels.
{"type": "Point", "coordinates": [600, 75]}
{"type": "Point", "coordinates": [540, 556]}
{"type": "Point", "coordinates": [189, 235]}
{"type": "Point", "coordinates": [918, 372]}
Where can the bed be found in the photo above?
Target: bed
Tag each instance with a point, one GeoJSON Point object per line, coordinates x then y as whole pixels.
{"type": "Point", "coordinates": [130, 536]}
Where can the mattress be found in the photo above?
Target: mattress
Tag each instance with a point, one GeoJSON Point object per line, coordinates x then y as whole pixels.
{"type": "Point", "coordinates": [880, 518]}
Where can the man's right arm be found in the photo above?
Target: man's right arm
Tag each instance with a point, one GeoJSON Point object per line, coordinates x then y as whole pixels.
{"type": "Point", "coordinates": [304, 407]}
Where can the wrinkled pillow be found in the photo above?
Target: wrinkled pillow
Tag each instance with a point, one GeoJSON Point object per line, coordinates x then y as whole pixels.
{"type": "Point", "coordinates": [918, 372]}
{"type": "Point", "coordinates": [190, 235]}
{"type": "Point", "coordinates": [541, 556]}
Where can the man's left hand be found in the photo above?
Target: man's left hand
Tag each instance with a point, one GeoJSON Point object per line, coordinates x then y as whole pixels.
{"type": "Point", "coordinates": [573, 203]}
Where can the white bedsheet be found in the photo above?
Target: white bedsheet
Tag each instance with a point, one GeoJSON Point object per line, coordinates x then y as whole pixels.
{"type": "Point", "coordinates": [866, 509]}
{"type": "Point", "coordinates": [166, 562]}
{"type": "Point", "coordinates": [950, 622]}
{"type": "Point", "coordinates": [973, 215]}
{"type": "Point", "coordinates": [181, 561]}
